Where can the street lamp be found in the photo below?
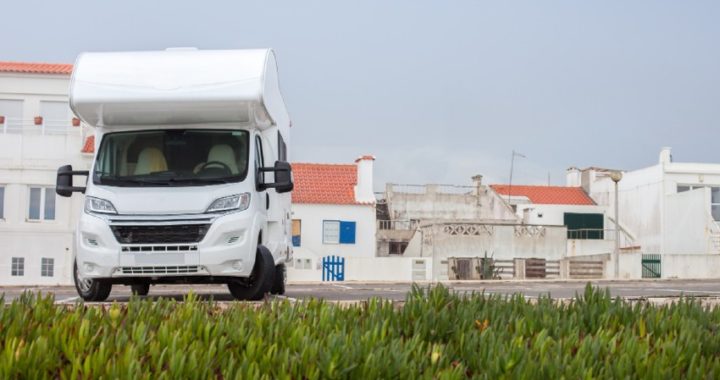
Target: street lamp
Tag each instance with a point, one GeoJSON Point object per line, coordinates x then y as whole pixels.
{"type": "Point", "coordinates": [616, 176]}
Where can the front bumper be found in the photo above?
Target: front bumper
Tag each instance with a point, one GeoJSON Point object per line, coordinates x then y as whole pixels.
{"type": "Point", "coordinates": [227, 250]}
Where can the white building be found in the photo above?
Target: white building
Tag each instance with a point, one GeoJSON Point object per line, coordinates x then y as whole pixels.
{"type": "Point", "coordinates": [37, 135]}
{"type": "Point", "coordinates": [333, 215]}
{"type": "Point", "coordinates": [669, 209]}
{"type": "Point", "coordinates": [589, 229]}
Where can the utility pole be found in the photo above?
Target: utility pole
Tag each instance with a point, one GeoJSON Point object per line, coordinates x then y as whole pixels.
{"type": "Point", "coordinates": [616, 177]}
{"type": "Point", "coordinates": [512, 166]}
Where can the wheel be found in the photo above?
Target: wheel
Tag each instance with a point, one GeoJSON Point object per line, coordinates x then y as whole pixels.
{"type": "Point", "coordinates": [89, 289]}
{"type": "Point", "coordinates": [280, 280]}
{"type": "Point", "coordinates": [260, 280]}
{"type": "Point", "coordinates": [140, 289]}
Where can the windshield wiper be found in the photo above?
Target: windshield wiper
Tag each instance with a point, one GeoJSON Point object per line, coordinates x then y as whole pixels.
{"type": "Point", "coordinates": [198, 180]}
{"type": "Point", "coordinates": [132, 180]}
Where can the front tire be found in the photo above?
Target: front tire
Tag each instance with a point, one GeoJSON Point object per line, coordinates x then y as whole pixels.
{"type": "Point", "coordinates": [261, 278]}
{"type": "Point", "coordinates": [280, 280]}
{"type": "Point", "coordinates": [140, 289]}
{"type": "Point", "coordinates": [91, 290]}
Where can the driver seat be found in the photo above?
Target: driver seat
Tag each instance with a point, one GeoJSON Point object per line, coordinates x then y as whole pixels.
{"type": "Point", "coordinates": [150, 160]}
{"type": "Point", "coordinates": [225, 154]}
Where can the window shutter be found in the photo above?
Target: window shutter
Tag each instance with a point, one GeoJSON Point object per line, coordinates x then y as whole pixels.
{"type": "Point", "coordinates": [347, 232]}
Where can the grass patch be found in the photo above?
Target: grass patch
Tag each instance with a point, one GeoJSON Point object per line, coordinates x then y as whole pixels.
{"type": "Point", "coordinates": [436, 334]}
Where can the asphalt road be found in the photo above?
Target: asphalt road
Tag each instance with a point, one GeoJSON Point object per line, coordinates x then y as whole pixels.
{"type": "Point", "coordinates": [351, 291]}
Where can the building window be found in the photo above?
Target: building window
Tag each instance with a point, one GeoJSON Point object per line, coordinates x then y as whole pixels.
{"type": "Point", "coordinates": [338, 232]}
{"type": "Point", "coordinates": [18, 266]}
{"type": "Point", "coordinates": [2, 202]}
{"type": "Point", "coordinates": [47, 267]}
{"type": "Point", "coordinates": [397, 247]}
{"type": "Point", "coordinates": [584, 226]}
{"type": "Point", "coordinates": [296, 227]}
{"type": "Point", "coordinates": [42, 203]}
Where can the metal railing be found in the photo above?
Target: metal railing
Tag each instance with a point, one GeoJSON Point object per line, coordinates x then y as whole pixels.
{"type": "Point", "coordinates": [407, 225]}
{"type": "Point", "coordinates": [600, 234]}
{"type": "Point", "coordinates": [47, 127]}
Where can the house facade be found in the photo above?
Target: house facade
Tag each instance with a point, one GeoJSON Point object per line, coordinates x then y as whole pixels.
{"type": "Point", "coordinates": [38, 134]}
{"type": "Point", "coordinates": [333, 214]}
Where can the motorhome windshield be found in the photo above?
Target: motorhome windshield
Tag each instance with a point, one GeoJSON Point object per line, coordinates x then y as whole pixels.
{"type": "Point", "coordinates": [178, 157]}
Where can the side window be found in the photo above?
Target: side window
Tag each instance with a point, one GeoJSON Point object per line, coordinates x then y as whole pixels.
{"type": "Point", "coordinates": [2, 202]}
{"type": "Point", "coordinates": [282, 148]}
{"type": "Point", "coordinates": [259, 158]}
{"type": "Point", "coordinates": [296, 228]}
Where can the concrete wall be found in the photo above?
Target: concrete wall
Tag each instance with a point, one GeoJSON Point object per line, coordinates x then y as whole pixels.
{"type": "Point", "coordinates": [500, 241]}
{"type": "Point", "coordinates": [441, 202]}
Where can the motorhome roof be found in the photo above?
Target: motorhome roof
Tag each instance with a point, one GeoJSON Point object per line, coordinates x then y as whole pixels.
{"type": "Point", "coordinates": [177, 86]}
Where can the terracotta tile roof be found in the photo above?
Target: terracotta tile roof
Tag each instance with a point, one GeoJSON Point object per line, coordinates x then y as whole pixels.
{"type": "Point", "coordinates": [324, 183]}
{"type": "Point", "coordinates": [36, 68]}
{"type": "Point", "coordinates": [551, 195]}
{"type": "Point", "coordinates": [89, 146]}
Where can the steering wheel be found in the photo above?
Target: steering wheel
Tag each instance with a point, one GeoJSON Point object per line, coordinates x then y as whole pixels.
{"type": "Point", "coordinates": [223, 165]}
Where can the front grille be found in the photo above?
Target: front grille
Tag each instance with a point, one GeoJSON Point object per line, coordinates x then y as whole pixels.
{"type": "Point", "coordinates": [180, 233]}
{"type": "Point", "coordinates": [178, 269]}
{"type": "Point", "coordinates": [159, 248]}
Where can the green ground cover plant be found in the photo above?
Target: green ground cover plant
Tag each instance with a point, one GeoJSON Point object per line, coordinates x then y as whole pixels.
{"type": "Point", "coordinates": [435, 334]}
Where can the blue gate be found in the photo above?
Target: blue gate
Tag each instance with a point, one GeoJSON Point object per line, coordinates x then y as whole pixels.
{"type": "Point", "coordinates": [333, 268]}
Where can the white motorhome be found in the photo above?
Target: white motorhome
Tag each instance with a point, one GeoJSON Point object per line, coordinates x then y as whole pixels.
{"type": "Point", "coordinates": [190, 181]}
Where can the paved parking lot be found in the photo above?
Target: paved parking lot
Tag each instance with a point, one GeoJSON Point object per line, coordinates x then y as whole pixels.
{"type": "Point", "coordinates": [352, 291]}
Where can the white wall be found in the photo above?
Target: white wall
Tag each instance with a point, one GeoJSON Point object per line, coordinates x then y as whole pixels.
{"type": "Point", "coordinates": [312, 247]}
{"type": "Point", "coordinates": [553, 215]}
{"type": "Point", "coordinates": [686, 218]}
{"type": "Point", "coordinates": [690, 266]}
{"type": "Point", "coordinates": [401, 269]}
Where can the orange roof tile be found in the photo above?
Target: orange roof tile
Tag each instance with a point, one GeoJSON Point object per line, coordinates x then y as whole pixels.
{"type": "Point", "coordinates": [36, 68]}
{"type": "Point", "coordinates": [552, 195]}
{"type": "Point", "coordinates": [324, 183]}
{"type": "Point", "coordinates": [89, 146]}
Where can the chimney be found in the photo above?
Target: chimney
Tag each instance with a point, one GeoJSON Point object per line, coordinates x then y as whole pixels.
{"type": "Point", "coordinates": [477, 182]}
{"type": "Point", "coordinates": [572, 177]}
{"type": "Point", "coordinates": [364, 188]}
{"type": "Point", "coordinates": [665, 155]}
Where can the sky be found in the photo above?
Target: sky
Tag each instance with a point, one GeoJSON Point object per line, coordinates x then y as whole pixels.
{"type": "Point", "coordinates": [439, 91]}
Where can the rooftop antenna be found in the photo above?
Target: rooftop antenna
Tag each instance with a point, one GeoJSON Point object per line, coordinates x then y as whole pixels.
{"type": "Point", "coordinates": [512, 166]}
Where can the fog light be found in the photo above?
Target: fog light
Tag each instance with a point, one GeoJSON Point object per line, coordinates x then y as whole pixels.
{"type": "Point", "coordinates": [88, 267]}
{"type": "Point", "coordinates": [238, 265]}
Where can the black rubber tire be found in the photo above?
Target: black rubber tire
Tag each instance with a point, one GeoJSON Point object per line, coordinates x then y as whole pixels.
{"type": "Point", "coordinates": [280, 280]}
{"type": "Point", "coordinates": [97, 290]}
{"type": "Point", "coordinates": [140, 289]}
{"type": "Point", "coordinates": [261, 278]}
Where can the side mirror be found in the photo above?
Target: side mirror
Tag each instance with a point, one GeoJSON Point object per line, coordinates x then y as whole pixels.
{"type": "Point", "coordinates": [64, 182]}
{"type": "Point", "coordinates": [283, 177]}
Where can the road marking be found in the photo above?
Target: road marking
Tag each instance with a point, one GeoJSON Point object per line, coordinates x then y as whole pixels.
{"type": "Point", "coordinates": [688, 291]}
{"type": "Point", "coordinates": [342, 286]}
{"type": "Point", "coordinates": [68, 300]}
{"type": "Point", "coordinates": [291, 299]}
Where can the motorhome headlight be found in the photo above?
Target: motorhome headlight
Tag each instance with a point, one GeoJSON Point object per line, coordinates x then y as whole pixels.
{"type": "Point", "coordinates": [237, 202]}
{"type": "Point", "coordinates": [98, 206]}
